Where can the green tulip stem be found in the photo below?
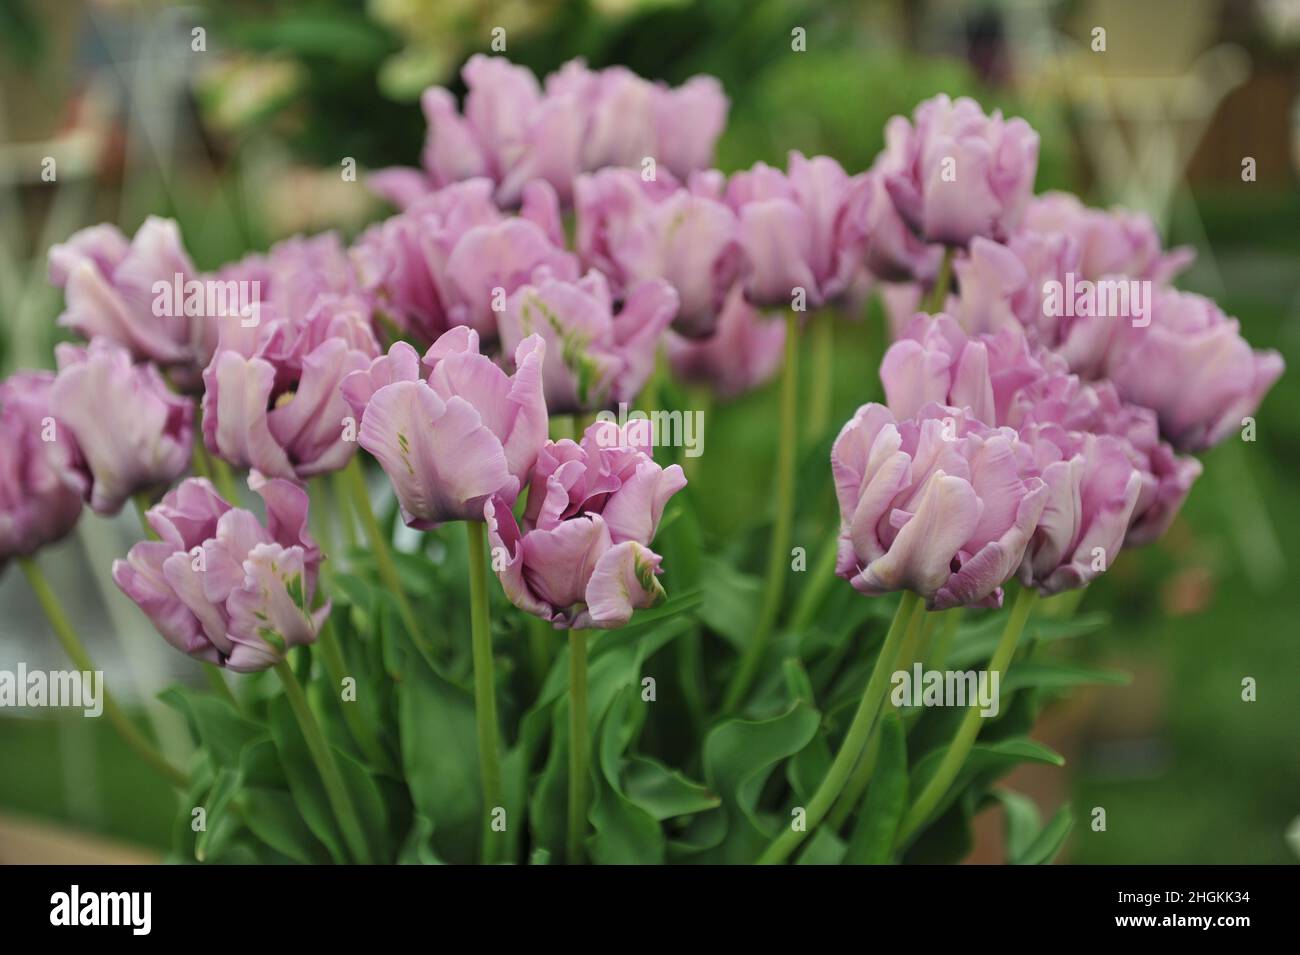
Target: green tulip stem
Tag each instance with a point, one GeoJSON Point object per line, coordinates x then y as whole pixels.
{"type": "Point", "coordinates": [822, 386]}
{"type": "Point", "coordinates": [937, 297]}
{"type": "Point", "coordinates": [485, 699]}
{"type": "Point", "coordinates": [335, 789]}
{"type": "Point", "coordinates": [578, 745]}
{"type": "Point", "coordinates": [937, 786]}
{"type": "Point", "coordinates": [81, 660]}
{"type": "Point", "coordinates": [851, 798]}
{"type": "Point", "coordinates": [855, 740]}
{"type": "Point", "coordinates": [778, 565]}
{"type": "Point", "coordinates": [356, 483]}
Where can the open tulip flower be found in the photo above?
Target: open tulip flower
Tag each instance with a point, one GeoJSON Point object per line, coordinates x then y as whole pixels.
{"type": "Point", "coordinates": [449, 257]}
{"type": "Point", "coordinates": [222, 586]}
{"type": "Point", "coordinates": [42, 482]}
{"type": "Point", "coordinates": [564, 253]}
{"type": "Point", "coordinates": [795, 230]}
{"type": "Point", "coordinates": [515, 131]}
{"type": "Point", "coordinates": [134, 434]}
{"type": "Point", "coordinates": [597, 357]}
{"type": "Point", "coordinates": [108, 287]}
{"type": "Point", "coordinates": [583, 558]}
{"type": "Point", "coordinates": [464, 434]}
{"type": "Point", "coordinates": [935, 504]}
{"type": "Point", "coordinates": [271, 397]}
{"type": "Point", "coordinates": [634, 230]}
{"type": "Point", "coordinates": [955, 172]}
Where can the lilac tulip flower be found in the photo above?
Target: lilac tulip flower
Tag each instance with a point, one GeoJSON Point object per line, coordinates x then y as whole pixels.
{"type": "Point", "coordinates": [582, 558]}
{"type": "Point", "coordinates": [467, 433]}
{"type": "Point", "coordinates": [108, 286]}
{"type": "Point", "coordinates": [222, 586]}
{"type": "Point", "coordinates": [744, 352]}
{"type": "Point", "coordinates": [514, 130]}
{"type": "Point", "coordinates": [936, 504]}
{"type": "Point", "coordinates": [634, 230]}
{"type": "Point", "coordinates": [1192, 367]}
{"type": "Point", "coordinates": [42, 482]}
{"type": "Point", "coordinates": [955, 172]}
{"type": "Point", "coordinates": [271, 397]}
{"type": "Point", "coordinates": [795, 230]}
{"type": "Point", "coordinates": [134, 433]}
{"type": "Point", "coordinates": [596, 357]}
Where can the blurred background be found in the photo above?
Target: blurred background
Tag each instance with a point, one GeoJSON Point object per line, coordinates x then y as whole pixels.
{"type": "Point", "coordinates": [234, 117]}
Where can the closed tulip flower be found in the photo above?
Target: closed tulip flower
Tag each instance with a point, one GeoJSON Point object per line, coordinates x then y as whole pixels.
{"type": "Point", "coordinates": [222, 586]}
{"type": "Point", "coordinates": [955, 172]}
{"type": "Point", "coordinates": [935, 504]}
{"type": "Point", "coordinates": [133, 432]}
{"type": "Point", "coordinates": [42, 483]}
{"type": "Point", "coordinates": [582, 558]}
{"type": "Point", "coordinates": [598, 356]}
{"type": "Point", "coordinates": [466, 433]}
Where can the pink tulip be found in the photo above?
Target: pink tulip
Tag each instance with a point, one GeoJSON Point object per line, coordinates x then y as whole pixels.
{"type": "Point", "coordinates": [223, 587]}
{"type": "Point", "coordinates": [134, 433]}
{"type": "Point", "coordinates": [42, 482]}
{"type": "Point", "coordinates": [466, 433]}
{"type": "Point", "coordinates": [583, 558]}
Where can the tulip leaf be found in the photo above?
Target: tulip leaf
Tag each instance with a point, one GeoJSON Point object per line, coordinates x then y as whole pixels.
{"type": "Point", "coordinates": [872, 842]}
{"type": "Point", "coordinates": [822, 848]}
{"type": "Point", "coordinates": [440, 759]}
{"type": "Point", "coordinates": [273, 817]}
{"type": "Point", "coordinates": [625, 833]}
{"type": "Point", "coordinates": [1048, 842]}
{"type": "Point", "coordinates": [1047, 674]}
{"type": "Point", "coordinates": [221, 819]}
{"type": "Point", "coordinates": [216, 725]}
{"type": "Point", "coordinates": [304, 779]}
{"type": "Point", "coordinates": [739, 756]}
{"type": "Point", "coordinates": [1022, 821]}
{"type": "Point", "coordinates": [731, 601]}
{"type": "Point", "coordinates": [666, 793]}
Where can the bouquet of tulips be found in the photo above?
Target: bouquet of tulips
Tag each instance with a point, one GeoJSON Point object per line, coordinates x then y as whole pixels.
{"type": "Point", "coordinates": [455, 603]}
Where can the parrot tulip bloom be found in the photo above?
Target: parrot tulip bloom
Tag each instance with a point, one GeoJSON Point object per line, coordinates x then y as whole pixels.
{"type": "Point", "coordinates": [598, 358]}
{"type": "Point", "coordinates": [795, 230]}
{"type": "Point", "coordinates": [583, 558]}
{"type": "Point", "coordinates": [743, 354]}
{"type": "Point", "coordinates": [271, 397]}
{"type": "Point", "coordinates": [1115, 242]}
{"type": "Point", "coordinates": [1092, 490]}
{"type": "Point", "coordinates": [889, 249]}
{"type": "Point", "coordinates": [935, 504]}
{"type": "Point", "coordinates": [221, 586]}
{"type": "Point", "coordinates": [1192, 367]}
{"type": "Point", "coordinates": [633, 230]}
{"type": "Point", "coordinates": [134, 434]}
{"type": "Point", "coordinates": [108, 288]}
{"type": "Point", "coordinates": [467, 433]}
{"type": "Point", "coordinates": [513, 131]}
{"type": "Point", "coordinates": [955, 173]}
{"type": "Point", "coordinates": [42, 483]}
{"type": "Point", "coordinates": [442, 261]}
